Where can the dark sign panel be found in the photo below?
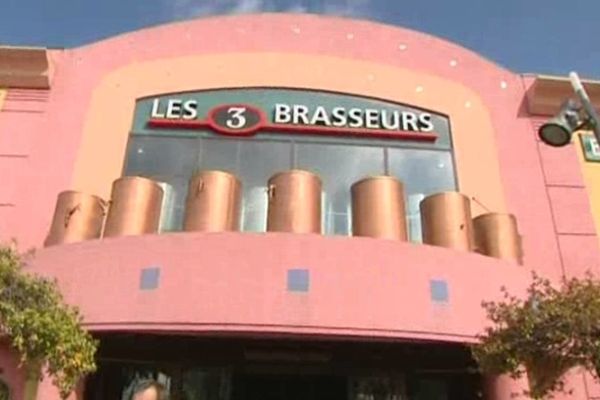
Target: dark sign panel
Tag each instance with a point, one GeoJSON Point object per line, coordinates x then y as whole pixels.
{"type": "Point", "coordinates": [283, 111]}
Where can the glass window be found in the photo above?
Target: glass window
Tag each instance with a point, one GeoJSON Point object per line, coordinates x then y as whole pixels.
{"type": "Point", "coordinates": [259, 160]}
{"type": "Point", "coordinates": [220, 154]}
{"type": "Point", "coordinates": [423, 172]}
{"type": "Point", "coordinates": [173, 207]}
{"type": "Point", "coordinates": [339, 166]}
{"type": "Point", "coordinates": [165, 156]}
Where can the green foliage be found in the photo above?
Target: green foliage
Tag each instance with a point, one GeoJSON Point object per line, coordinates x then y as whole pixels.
{"type": "Point", "coordinates": [41, 327]}
{"type": "Point", "coordinates": [548, 332]}
{"type": "Point", "coordinates": [4, 391]}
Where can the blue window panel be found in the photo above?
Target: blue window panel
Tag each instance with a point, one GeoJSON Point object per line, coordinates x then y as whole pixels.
{"type": "Point", "coordinates": [298, 280]}
{"type": "Point", "coordinates": [439, 291]}
{"type": "Point", "coordinates": [150, 278]}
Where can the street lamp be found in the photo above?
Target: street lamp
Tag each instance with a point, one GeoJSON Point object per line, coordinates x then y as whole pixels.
{"type": "Point", "coordinates": [558, 131]}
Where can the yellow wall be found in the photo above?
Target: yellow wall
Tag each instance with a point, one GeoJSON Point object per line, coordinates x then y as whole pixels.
{"type": "Point", "coordinates": [2, 97]}
{"type": "Point", "coordinates": [591, 177]}
{"type": "Point", "coordinates": [473, 134]}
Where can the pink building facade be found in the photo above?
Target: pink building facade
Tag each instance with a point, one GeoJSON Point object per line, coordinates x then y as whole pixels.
{"type": "Point", "coordinates": [278, 287]}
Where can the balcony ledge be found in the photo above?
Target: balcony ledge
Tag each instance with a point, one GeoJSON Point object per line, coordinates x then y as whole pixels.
{"type": "Point", "coordinates": [238, 284]}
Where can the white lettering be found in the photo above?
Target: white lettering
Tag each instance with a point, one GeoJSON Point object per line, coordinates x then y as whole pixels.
{"type": "Point", "coordinates": [594, 147]}
{"type": "Point", "coordinates": [320, 117]}
{"type": "Point", "coordinates": [190, 109]}
{"type": "Point", "coordinates": [372, 119]}
{"type": "Point", "coordinates": [409, 121]}
{"type": "Point", "coordinates": [237, 117]}
{"type": "Point", "coordinates": [355, 115]}
{"type": "Point", "coordinates": [300, 115]}
{"type": "Point", "coordinates": [156, 110]}
{"type": "Point", "coordinates": [392, 123]}
{"type": "Point", "coordinates": [425, 122]}
{"type": "Point", "coordinates": [174, 109]}
{"type": "Point", "coordinates": [339, 117]}
{"type": "Point", "coordinates": [283, 114]}
{"type": "Point", "coordinates": [353, 118]}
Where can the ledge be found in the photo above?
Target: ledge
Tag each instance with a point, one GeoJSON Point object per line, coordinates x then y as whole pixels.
{"type": "Point", "coordinates": [548, 93]}
{"type": "Point", "coordinates": [237, 284]}
{"type": "Point", "coordinates": [24, 67]}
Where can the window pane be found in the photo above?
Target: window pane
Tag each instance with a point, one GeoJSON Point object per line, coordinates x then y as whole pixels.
{"type": "Point", "coordinates": [259, 160]}
{"type": "Point", "coordinates": [220, 154]}
{"type": "Point", "coordinates": [339, 167]}
{"type": "Point", "coordinates": [173, 208]}
{"type": "Point", "coordinates": [423, 172]}
{"type": "Point", "coordinates": [153, 155]}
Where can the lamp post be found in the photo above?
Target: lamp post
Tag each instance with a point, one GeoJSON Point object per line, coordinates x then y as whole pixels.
{"type": "Point", "coordinates": [572, 116]}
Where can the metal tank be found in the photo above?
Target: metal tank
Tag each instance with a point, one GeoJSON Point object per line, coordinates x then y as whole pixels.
{"type": "Point", "coordinates": [77, 217]}
{"type": "Point", "coordinates": [378, 208]}
{"type": "Point", "coordinates": [446, 221]}
{"type": "Point", "coordinates": [294, 202]}
{"type": "Point", "coordinates": [497, 235]}
{"type": "Point", "coordinates": [213, 202]}
{"type": "Point", "coordinates": [134, 208]}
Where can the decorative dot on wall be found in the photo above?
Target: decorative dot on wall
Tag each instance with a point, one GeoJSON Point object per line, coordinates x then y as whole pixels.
{"type": "Point", "coordinates": [371, 77]}
{"type": "Point", "coordinates": [419, 89]}
{"type": "Point", "coordinates": [467, 104]}
{"type": "Point", "coordinates": [453, 63]}
{"type": "Point", "coordinates": [298, 280]}
{"type": "Point", "coordinates": [438, 291]}
{"type": "Point", "coordinates": [150, 278]}
{"type": "Point", "coordinates": [402, 47]}
{"type": "Point", "coordinates": [350, 36]}
{"type": "Point", "coordinates": [503, 85]}
{"type": "Point", "coordinates": [296, 30]}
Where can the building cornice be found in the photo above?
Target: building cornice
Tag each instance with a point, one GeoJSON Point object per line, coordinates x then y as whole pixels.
{"type": "Point", "coordinates": [548, 93]}
{"type": "Point", "coordinates": [24, 67]}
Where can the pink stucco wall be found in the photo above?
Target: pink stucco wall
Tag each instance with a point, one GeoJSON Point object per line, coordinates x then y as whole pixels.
{"type": "Point", "coordinates": [53, 139]}
{"type": "Point", "coordinates": [41, 133]}
{"type": "Point", "coordinates": [234, 282]}
{"type": "Point", "coordinates": [49, 139]}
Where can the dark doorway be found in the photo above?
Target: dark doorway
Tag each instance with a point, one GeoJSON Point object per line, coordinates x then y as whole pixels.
{"type": "Point", "coordinates": [289, 387]}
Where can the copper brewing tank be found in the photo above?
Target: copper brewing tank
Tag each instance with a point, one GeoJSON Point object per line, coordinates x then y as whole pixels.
{"type": "Point", "coordinates": [213, 202]}
{"type": "Point", "coordinates": [378, 208]}
{"type": "Point", "coordinates": [77, 217]}
{"type": "Point", "coordinates": [294, 202]}
{"type": "Point", "coordinates": [134, 208]}
{"type": "Point", "coordinates": [446, 221]}
{"type": "Point", "coordinates": [497, 235]}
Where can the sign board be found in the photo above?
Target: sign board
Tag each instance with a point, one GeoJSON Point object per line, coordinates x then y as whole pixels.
{"type": "Point", "coordinates": [591, 150]}
{"type": "Point", "coordinates": [251, 111]}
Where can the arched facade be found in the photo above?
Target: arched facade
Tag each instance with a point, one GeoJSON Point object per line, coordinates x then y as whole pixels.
{"type": "Point", "coordinates": [123, 106]}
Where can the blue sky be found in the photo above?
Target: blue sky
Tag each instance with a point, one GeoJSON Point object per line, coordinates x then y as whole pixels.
{"type": "Point", "coordinates": [541, 36]}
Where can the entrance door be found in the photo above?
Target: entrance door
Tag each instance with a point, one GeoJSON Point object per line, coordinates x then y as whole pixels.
{"type": "Point", "coordinates": [289, 387]}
